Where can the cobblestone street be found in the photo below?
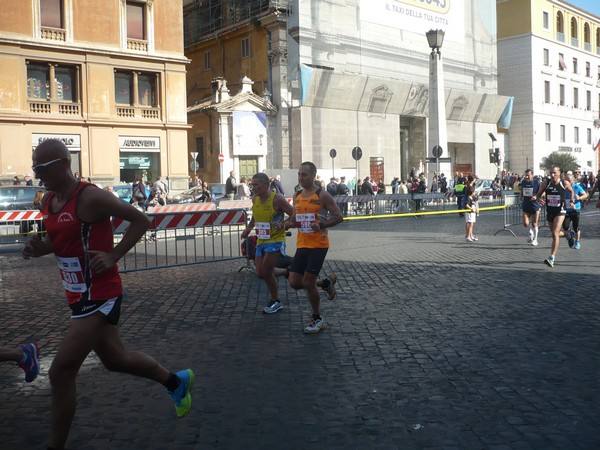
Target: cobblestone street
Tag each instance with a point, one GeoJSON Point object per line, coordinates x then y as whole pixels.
{"type": "Point", "coordinates": [431, 343]}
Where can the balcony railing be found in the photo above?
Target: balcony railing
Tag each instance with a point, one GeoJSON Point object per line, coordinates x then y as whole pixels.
{"type": "Point", "coordinates": [560, 36]}
{"type": "Point", "coordinates": [54, 34]}
{"type": "Point", "coordinates": [574, 42]}
{"type": "Point", "coordinates": [137, 45]}
{"type": "Point", "coordinates": [138, 112]}
{"type": "Point", "coordinates": [48, 107]}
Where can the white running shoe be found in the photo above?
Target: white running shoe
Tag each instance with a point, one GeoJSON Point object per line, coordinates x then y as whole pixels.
{"type": "Point", "coordinates": [314, 326]}
{"type": "Point", "coordinates": [534, 242]}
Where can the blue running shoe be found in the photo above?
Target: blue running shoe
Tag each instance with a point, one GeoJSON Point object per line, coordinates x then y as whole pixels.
{"type": "Point", "coordinates": [571, 239]}
{"type": "Point", "coordinates": [31, 361]}
{"type": "Point", "coordinates": [577, 245]}
{"type": "Point", "coordinates": [183, 394]}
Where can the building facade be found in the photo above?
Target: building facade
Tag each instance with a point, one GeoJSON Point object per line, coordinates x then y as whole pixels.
{"type": "Point", "coordinates": [350, 73]}
{"type": "Point", "coordinates": [549, 60]}
{"type": "Point", "coordinates": [105, 77]}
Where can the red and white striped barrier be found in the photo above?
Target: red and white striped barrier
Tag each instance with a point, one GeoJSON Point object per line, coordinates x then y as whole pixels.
{"type": "Point", "coordinates": [15, 216]}
{"type": "Point", "coordinates": [184, 207]}
{"type": "Point", "coordinates": [178, 220]}
{"type": "Point", "coordinates": [233, 204]}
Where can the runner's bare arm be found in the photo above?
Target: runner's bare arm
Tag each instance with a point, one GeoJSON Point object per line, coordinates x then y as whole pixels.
{"type": "Point", "coordinates": [95, 204]}
{"type": "Point", "coordinates": [335, 214]}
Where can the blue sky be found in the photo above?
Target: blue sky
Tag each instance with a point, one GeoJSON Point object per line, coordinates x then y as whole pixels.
{"type": "Point", "coordinates": [592, 6]}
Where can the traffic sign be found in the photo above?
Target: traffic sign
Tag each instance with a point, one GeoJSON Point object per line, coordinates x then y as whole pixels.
{"type": "Point", "coordinates": [221, 157]}
{"type": "Point", "coordinates": [356, 153]}
{"type": "Point", "coordinates": [332, 153]}
{"type": "Point", "coordinates": [437, 151]}
{"type": "Point", "coordinates": [194, 165]}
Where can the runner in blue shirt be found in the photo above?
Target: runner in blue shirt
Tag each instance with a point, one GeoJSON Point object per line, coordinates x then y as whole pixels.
{"type": "Point", "coordinates": [571, 224]}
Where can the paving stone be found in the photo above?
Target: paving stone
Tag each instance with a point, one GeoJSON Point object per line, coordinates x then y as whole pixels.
{"type": "Point", "coordinates": [481, 345]}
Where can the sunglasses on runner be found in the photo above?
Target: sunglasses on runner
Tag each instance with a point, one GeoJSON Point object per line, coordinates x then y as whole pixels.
{"type": "Point", "coordinates": [41, 168]}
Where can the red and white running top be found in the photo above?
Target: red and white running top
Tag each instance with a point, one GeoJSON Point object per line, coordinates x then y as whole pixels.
{"type": "Point", "coordinates": [71, 241]}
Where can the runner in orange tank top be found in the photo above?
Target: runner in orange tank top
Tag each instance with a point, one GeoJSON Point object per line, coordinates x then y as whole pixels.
{"type": "Point", "coordinates": [314, 212]}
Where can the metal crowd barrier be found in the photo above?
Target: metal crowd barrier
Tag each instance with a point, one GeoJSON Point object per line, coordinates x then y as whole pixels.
{"type": "Point", "coordinates": [16, 226]}
{"type": "Point", "coordinates": [184, 238]}
{"type": "Point", "coordinates": [367, 205]}
{"type": "Point", "coordinates": [513, 214]}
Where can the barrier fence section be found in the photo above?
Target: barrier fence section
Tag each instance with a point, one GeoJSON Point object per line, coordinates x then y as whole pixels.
{"type": "Point", "coordinates": [16, 226]}
{"type": "Point", "coordinates": [183, 238]}
{"type": "Point", "coordinates": [513, 214]}
{"type": "Point", "coordinates": [366, 205]}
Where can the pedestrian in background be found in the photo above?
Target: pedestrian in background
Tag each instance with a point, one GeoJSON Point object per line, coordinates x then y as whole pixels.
{"type": "Point", "coordinates": [231, 185]}
{"type": "Point", "coordinates": [243, 191]}
{"type": "Point", "coordinates": [471, 216]}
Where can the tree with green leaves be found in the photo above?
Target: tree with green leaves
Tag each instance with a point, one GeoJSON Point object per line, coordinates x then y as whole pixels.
{"type": "Point", "coordinates": [565, 161]}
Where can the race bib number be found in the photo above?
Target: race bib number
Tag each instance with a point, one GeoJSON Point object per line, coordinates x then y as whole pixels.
{"type": "Point", "coordinates": [71, 274]}
{"type": "Point", "coordinates": [304, 222]}
{"type": "Point", "coordinates": [263, 230]}
{"type": "Point", "coordinates": [528, 192]}
{"type": "Point", "coordinates": [553, 201]}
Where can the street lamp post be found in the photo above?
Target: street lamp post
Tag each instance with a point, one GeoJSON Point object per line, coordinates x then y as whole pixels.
{"type": "Point", "coordinates": [438, 133]}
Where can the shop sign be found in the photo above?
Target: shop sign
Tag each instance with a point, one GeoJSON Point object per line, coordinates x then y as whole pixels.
{"type": "Point", "coordinates": [139, 143]}
{"type": "Point", "coordinates": [72, 141]}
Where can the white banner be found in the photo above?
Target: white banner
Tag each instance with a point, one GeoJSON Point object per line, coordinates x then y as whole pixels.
{"type": "Point", "coordinates": [139, 144]}
{"type": "Point", "coordinates": [72, 141]}
{"type": "Point", "coordinates": [418, 16]}
{"type": "Point", "coordinates": [249, 133]}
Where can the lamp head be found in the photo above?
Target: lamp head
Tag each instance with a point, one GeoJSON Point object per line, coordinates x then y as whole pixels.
{"type": "Point", "coordinates": [435, 38]}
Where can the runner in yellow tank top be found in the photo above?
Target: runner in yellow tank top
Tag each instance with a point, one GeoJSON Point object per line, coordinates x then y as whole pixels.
{"type": "Point", "coordinates": [314, 212]}
{"type": "Point", "coordinates": [268, 209]}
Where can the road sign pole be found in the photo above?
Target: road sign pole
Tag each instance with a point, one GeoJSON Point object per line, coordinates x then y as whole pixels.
{"type": "Point", "coordinates": [195, 163]}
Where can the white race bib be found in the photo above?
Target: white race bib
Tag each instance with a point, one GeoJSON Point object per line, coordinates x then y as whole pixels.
{"type": "Point", "coordinates": [553, 200]}
{"type": "Point", "coordinates": [263, 230]}
{"type": "Point", "coordinates": [72, 274]}
{"type": "Point", "coordinates": [528, 192]}
{"type": "Point", "coordinates": [304, 222]}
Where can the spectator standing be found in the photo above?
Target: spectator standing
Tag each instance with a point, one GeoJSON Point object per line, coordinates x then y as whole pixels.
{"type": "Point", "coordinates": [16, 181]}
{"type": "Point", "coordinates": [380, 187]}
{"type": "Point", "coordinates": [277, 186]}
{"type": "Point", "coordinates": [332, 187]}
{"type": "Point", "coordinates": [231, 185]}
{"type": "Point", "coordinates": [161, 191]}
{"type": "Point", "coordinates": [342, 191]}
{"type": "Point", "coordinates": [471, 216]}
{"type": "Point", "coordinates": [138, 193]}
{"type": "Point", "coordinates": [459, 188]}
{"type": "Point", "coordinates": [367, 189]}
{"type": "Point", "coordinates": [28, 181]}
{"type": "Point", "coordinates": [243, 191]}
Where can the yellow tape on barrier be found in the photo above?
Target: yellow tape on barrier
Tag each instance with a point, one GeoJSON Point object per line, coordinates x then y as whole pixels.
{"type": "Point", "coordinates": [426, 213]}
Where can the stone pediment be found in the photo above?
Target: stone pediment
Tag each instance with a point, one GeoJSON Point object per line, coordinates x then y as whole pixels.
{"type": "Point", "coordinates": [244, 101]}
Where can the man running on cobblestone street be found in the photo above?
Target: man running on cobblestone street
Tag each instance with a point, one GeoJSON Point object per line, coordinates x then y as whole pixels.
{"type": "Point", "coordinates": [554, 187]}
{"type": "Point", "coordinates": [77, 216]}
{"type": "Point", "coordinates": [314, 212]}
{"type": "Point", "coordinates": [531, 209]}
{"type": "Point", "coordinates": [268, 210]}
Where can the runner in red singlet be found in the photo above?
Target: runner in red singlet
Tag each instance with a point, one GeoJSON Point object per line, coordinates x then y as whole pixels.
{"type": "Point", "coordinates": [79, 233]}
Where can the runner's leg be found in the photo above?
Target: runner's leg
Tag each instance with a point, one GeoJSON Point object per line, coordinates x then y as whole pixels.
{"type": "Point", "coordinates": [81, 337]}
{"type": "Point", "coordinates": [265, 266]}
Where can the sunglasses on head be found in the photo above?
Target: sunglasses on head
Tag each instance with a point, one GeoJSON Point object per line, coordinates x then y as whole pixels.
{"type": "Point", "coordinates": [41, 168]}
